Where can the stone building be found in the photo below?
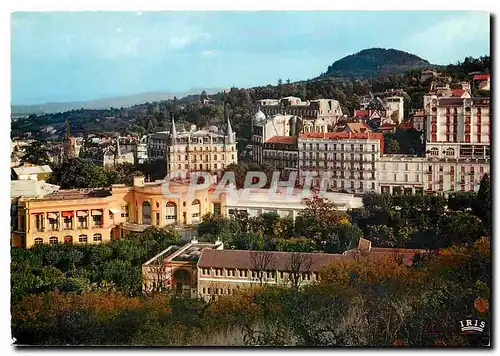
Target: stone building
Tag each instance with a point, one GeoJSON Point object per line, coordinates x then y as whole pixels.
{"type": "Point", "coordinates": [457, 143]}
{"type": "Point", "coordinates": [347, 161]}
{"type": "Point", "coordinates": [401, 174]}
{"type": "Point", "coordinates": [99, 215]}
{"type": "Point", "coordinates": [209, 271]}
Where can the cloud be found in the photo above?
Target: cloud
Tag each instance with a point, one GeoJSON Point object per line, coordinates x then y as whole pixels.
{"type": "Point", "coordinates": [209, 53]}
{"type": "Point", "coordinates": [177, 43]}
{"type": "Point", "coordinates": [442, 40]}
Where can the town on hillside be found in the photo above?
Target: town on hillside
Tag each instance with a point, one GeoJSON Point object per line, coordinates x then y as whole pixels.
{"type": "Point", "coordinates": [340, 211]}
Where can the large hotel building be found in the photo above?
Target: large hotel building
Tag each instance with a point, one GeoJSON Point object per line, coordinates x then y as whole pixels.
{"type": "Point", "coordinates": [457, 143]}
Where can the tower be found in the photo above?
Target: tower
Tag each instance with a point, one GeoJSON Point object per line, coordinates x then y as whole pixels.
{"type": "Point", "coordinates": [229, 133]}
{"type": "Point", "coordinates": [69, 149]}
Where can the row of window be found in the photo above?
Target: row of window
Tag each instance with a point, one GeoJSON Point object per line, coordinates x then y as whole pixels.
{"type": "Point", "coordinates": [200, 157]}
{"type": "Point", "coordinates": [202, 167]}
{"type": "Point", "coordinates": [280, 154]}
{"type": "Point", "coordinates": [339, 147]}
{"type": "Point", "coordinates": [338, 157]}
{"type": "Point", "coordinates": [243, 273]}
{"type": "Point", "coordinates": [68, 239]}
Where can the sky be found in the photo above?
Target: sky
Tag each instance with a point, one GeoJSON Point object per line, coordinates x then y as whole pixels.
{"type": "Point", "coordinates": [77, 56]}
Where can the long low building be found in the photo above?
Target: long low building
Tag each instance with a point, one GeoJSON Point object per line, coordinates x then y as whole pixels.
{"type": "Point", "coordinates": [259, 201]}
{"type": "Point", "coordinates": [207, 270]}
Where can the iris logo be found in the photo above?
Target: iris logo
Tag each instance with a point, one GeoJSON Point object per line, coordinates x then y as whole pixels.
{"type": "Point", "coordinates": [470, 326]}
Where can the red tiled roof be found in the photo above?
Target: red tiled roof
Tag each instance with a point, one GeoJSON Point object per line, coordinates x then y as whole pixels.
{"type": "Point", "coordinates": [481, 77]}
{"type": "Point", "coordinates": [282, 139]}
{"type": "Point", "coordinates": [457, 92]}
{"type": "Point", "coordinates": [280, 261]}
{"type": "Point", "coordinates": [406, 126]}
{"type": "Point", "coordinates": [358, 127]}
{"type": "Point", "coordinates": [242, 259]}
{"type": "Point", "coordinates": [361, 113]}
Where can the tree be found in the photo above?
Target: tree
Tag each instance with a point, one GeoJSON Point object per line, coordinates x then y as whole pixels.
{"type": "Point", "coordinates": [343, 237]}
{"type": "Point", "coordinates": [392, 146]}
{"type": "Point", "coordinates": [298, 244]}
{"type": "Point", "coordinates": [262, 262]}
{"type": "Point", "coordinates": [483, 207]}
{"type": "Point", "coordinates": [79, 173]}
{"type": "Point", "coordinates": [36, 154]}
{"type": "Point", "coordinates": [298, 264]}
{"type": "Point", "coordinates": [317, 219]}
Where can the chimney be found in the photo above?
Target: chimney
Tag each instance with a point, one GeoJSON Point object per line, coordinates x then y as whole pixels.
{"type": "Point", "coordinates": [139, 181]}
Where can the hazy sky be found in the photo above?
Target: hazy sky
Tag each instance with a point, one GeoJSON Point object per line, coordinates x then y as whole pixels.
{"type": "Point", "coordinates": [62, 56]}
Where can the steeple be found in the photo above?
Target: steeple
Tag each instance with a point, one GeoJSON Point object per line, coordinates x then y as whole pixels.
{"type": "Point", "coordinates": [69, 149]}
{"type": "Point", "coordinates": [229, 132]}
{"type": "Point", "coordinates": [118, 152]}
{"type": "Point", "coordinates": [173, 130]}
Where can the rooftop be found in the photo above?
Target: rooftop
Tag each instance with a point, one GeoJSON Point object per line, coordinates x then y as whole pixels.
{"type": "Point", "coordinates": [32, 170]}
{"type": "Point", "coordinates": [282, 139]}
{"type": "Point", "coordinates": [358, 127]}
{"type": "Point", "coordinates": [31, 188]}
{"type": "Point", "coordinates": [71, 194]}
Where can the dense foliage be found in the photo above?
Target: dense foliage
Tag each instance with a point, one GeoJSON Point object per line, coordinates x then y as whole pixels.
{"type": "Point", "coordinates": [359, 303]}
{"type": "Point", "coordinates": [86, 267]}
{"type": "Point", "coordinates": [421, 221]}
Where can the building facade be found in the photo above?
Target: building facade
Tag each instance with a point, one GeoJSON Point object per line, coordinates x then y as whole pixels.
{"type": "Point", "coordinates": [286, 204]}
{"type": "Point", "coordinates": [100, 215]}
{"type": "Point", "coordinates": [208, 271]}
{"type": "Point", "coordinates": [401, 174]}
{"type": "Point", "coordinates": [457, 143]}
{"type": "Point", "coordinates": [348, 159]}
{"type": "Point", "coordinates": [281, 152]}
{"type": "Point", "coordinates": [200, 150]}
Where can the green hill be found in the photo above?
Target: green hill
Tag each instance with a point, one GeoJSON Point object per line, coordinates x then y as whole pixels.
{"type": "Point", "coordinates": [375, 62]}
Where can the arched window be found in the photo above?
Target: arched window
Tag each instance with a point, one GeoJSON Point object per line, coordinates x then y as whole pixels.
{"type": "Point", "coordinates": [38, 241]}
{"type": "Point", "coordinates": [68, 240]}
{"type": "Point", "coordinates": [195, 209]}
{"type": "Point", "coordinates": [146, 213]}
{"type": "Point", "coordinates": [434, 152]}
{"type": "Point", "coordinates": [53, 240]}
{"type": "Point", "coordinates": [171, 213]}
{"type": "Point", "coordinates": [97, 237]}
{"type": "Point", "coordinates": [82, 238]}
{"type": "Point", "coordinates": [450, 152]}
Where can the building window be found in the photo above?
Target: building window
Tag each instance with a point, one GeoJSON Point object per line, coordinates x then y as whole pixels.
{"type": "Point", "coordinates": [68, 240]}
{"type": "Point", "coordinates": [38, 241]}
{"type": "Point", "coordinates": [53, 240]}
{"type": "Point", "coordinates": [171, 213]}
{"type": "Point", "coordinates": [217, 209]}
{"type": "Point", "coordinates": [195, 208]}
{"type": "Point", "coordinates": [157, 218]}
{"type": "Point", "coordinates": [97, 237]}
{"type": "Point", "coordinates": [204, 290]}
{"type": "Point", "coordinates": [406, 177]}
{"type": "Point", "coordinates": [82, 238]}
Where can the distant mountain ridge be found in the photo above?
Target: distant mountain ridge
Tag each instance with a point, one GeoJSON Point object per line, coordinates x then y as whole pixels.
{"type": "Point", "coordinates": [376, 62]}
{"type": "Point", "coordinates": [106, 103]}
